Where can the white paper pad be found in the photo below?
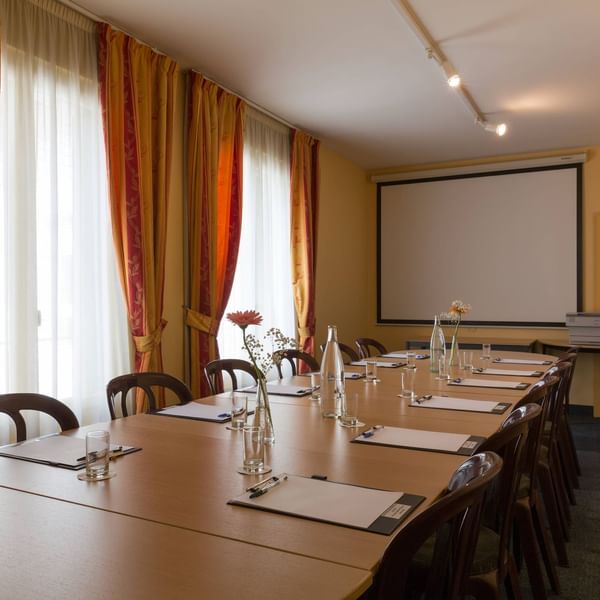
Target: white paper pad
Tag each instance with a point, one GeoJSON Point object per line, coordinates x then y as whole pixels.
{"type": "Point", "coordinates": [514, 372]}
{"type": "Point", "coordinates": [55, 450]}
{"type": "Point", "coordinates": [282, 389]}
{"type": "Point", "coordinates": [485, 406]}
{"type": "Point", "coordinates": [347, 374]}
{"type": "Point", "coordinates": [417, 438]}
{"type": "Point", "coordinates": [521, 361]}
{"type": "Point", "coordinates": [195, 410]}
{"type": "Point", "coordinates": [325, 501]}
{"type": "Point", "coordinates": [492, 383]}
{"type": "Point", "coordinates": [382, 364]}
{"type": "Point", "coordinates": [398, 354]}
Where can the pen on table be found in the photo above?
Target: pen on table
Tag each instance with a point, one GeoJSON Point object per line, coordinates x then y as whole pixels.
{"type": "Point", "coordinates": [256, 486]}
{"type": "Point", "coordinates": [263, 490]}
{"type": "Point", "coordinates": [116, 452]}
{"type": "Point", "coordinates": [370, 432]}
{"type": "Point", "coordinates": [423, 398]}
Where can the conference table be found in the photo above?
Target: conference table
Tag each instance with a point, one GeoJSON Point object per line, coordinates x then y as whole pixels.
{"type": "Point", "coordinates": [162, 527]}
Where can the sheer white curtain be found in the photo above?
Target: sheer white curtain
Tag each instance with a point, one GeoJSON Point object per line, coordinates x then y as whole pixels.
{"type": "Point", "coordinates": [263, 279]}
{"type": "Point", "coordinates": [63, 330]}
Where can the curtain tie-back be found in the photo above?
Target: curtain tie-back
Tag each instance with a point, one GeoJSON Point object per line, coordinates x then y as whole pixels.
{"type": "Point", "coordinates": [147, 343]}
{"type": "Point", "coordinates": [204, 323]}
{"type": "Point", "coordinates": [305, 332]}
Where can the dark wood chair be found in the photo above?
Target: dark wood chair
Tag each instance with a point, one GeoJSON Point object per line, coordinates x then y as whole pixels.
{"type": "Point", "coordinates": [454, 521]}
{"type": "Point", "coordinates": [13, 404]}
{"type": "Point", "coordinates": [294, 357]}
{"type": "Point", "coordinates": [531, 533]}
{"type": "Point", "coordinates": [119, 387]}
{"type": "Point", "coordinates": [364, 346]}
{"type": "Point", "coordinates": [214, 372]}
{"type": "Point", "coordinates": [566, 442]}
{"type": "Point", "coordinates": [348, 353]}
{"type": "Point", "coordinates": [550, 477]}
{"type": "Point", "coordinates": [494, 564]}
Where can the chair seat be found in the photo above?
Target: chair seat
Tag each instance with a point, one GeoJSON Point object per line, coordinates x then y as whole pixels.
{"type": "Point", "coordinates": [485, 560]}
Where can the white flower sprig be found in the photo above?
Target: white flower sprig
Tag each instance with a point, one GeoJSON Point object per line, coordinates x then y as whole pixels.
{"type": "Point", "coordinates": [455, 313]}
{"type": "Point", "coordinates": [265, 359]}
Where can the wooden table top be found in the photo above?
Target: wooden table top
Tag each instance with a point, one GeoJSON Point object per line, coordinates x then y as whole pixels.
{"type": "Point", "coordinates": [63, 551]}
{"type": "Point", "coordinates": [186, 471]}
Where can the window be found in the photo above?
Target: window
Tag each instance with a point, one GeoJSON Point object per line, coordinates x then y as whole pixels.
{"type": "Point", "coordinates": [63, 328]}
{"type": "Point", "coordinates": [263, 278]}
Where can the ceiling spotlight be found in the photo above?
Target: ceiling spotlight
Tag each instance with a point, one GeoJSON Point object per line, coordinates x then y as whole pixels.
{"type": "Point", "coordinates": [454, 81]}
{"type": "Point", "coordinates": [499, 129]}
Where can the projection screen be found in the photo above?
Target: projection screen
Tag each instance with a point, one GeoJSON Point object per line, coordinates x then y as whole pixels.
{"type": "Point", "coordinates": [506, 242]}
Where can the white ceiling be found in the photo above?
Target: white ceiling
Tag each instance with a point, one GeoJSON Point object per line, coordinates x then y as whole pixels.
{"type": "Point", "coordinates": [354, 74]}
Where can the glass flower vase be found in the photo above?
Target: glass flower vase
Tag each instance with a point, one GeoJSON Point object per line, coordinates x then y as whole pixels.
{"type": "Point", "coordinates": [454, 351]}
{"type": "Point", "coordinates": [262, 412]}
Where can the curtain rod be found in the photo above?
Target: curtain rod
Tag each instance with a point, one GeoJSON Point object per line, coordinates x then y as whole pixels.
{"type": "Point", "coordinates": [258, 107]}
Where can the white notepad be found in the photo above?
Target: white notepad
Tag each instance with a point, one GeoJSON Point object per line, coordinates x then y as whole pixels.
{"type": "Point", "coordinates": [382, 364]}
{"type": "Point", "coordinates": [418, 439]}
{"type": "Point", "coordinates": [282, 389]}
{"type": "Point", "coordinates": [56, 450]}
{"type": "Point", "coordinates": [398, 354]}
{"type": "Point", "coordinates": [195, 410]}
{"type": "Point", "coordinates": [489, 383]}
{"type": "Point", "coordinates": [521, 361]}
{"type": "Point", "coordinates": [379, 511]}
{"type": "Point", "coordinates": [509, 372]}
{"type": "Point", "coordinates": [443, 402]}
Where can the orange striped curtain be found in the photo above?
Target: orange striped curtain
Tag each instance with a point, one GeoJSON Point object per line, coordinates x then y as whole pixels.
{"type": "Point", "coordinates": [215, 153]}
{"type": "Point", "coordinates": [304, 201]}
{"type": "Point", "coordinates": [137, 88]}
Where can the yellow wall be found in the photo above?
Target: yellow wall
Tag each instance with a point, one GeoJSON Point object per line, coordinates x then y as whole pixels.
{"type": "Point", "coordinates": [346, 235]}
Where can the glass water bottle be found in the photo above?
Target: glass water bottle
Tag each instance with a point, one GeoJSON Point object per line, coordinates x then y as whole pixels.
{"type": "Point", "coordinates": [437, 346]}
{"type": "Point", "coordinates": [332, 377]}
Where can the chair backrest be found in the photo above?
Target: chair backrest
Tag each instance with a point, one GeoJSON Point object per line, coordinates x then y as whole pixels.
{"type": "Point", "coordinates": [364, 346]}
{"type": "Point", "coordinates": [214, 372]}
{"type": "Point", "coordinates": [118, 388]}
{"type": "Point", "coordinates": [13, 404]}
{"type": "Point", "coordinates": [570, 357]}
{"type": "Point", "coordinates": [558, 402]}
{"type": "Point", "coordinates": [454, 520]}
{"type": "Point", "coordinates": [540, 394]}
{"type": "Point", "coordinates": [510, 443]}
{"type": "Point", "coordinates": [348, 353]}
{"type": "Point", "coordinates": [292, 356]}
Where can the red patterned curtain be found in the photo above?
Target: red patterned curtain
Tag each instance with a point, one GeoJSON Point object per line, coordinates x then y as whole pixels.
{"type": "Point", "coordinates": [304, 200]}
{"type": "Point", "coordinates": [137, 88]}
{"type": "Point", "coordinates": [215, 128]}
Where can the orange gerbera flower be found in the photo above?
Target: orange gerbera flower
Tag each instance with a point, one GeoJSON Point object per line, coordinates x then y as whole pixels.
{"type": "Point", "coordinates": [243, 318]}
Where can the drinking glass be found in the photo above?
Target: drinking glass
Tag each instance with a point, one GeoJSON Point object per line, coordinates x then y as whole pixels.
{"type": "Point", "coordinates": [239, 410]}
{"type": "Point", "coordinates": [97, 456]}
{"type": "Point", "coordinates": [315, 386]}
{"type": "Point", "coordinates": [467, 360]}
{"type": "Point", "coordinates": [349, 416]}
{"type": "Point", "coordinates": [486, 355]}
{"type": "Point", "coordinates": [371, 371]}
{"type": "Point", "coordinates": [410, 360]}
{"type": "Point", "coordinates": [443, 372]}
{"type": "Point", "coordinates": [254, 451]}
{"type": "Point", "coordinates": [408, 382]}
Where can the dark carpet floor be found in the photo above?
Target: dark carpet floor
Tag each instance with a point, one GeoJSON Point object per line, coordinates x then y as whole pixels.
{"type": "Point", "coordinates": [581, 581]}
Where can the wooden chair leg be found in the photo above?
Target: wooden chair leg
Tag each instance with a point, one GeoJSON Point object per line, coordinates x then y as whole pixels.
{"type": "Point", "coordinates": [545, 544]}
{"type": "Point", "coordinates": [527, 538]}
{"type": "Point", "coordinates": [512, 580]}
{"type": "Point", "coordinates": [556, 526]}
{"type": "Point", "coordinates": [571, 445]}
{"type": "Point", "coordinates": [562, 499]}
